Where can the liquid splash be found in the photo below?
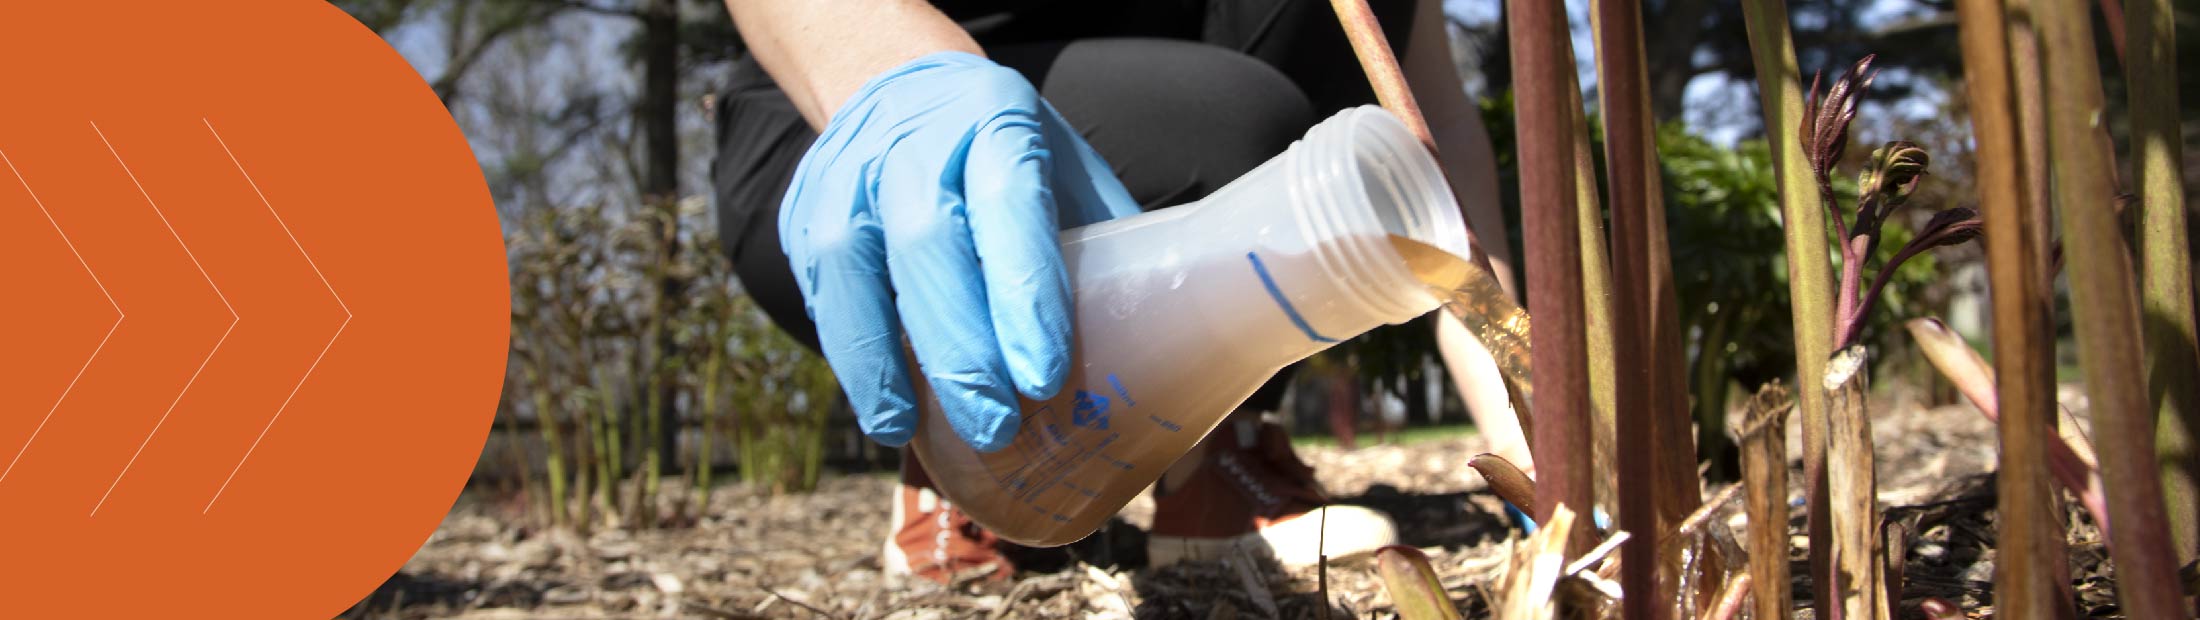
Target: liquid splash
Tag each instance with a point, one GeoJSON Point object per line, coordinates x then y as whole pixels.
{"type": "Point", "coordinates": [1471, 294]}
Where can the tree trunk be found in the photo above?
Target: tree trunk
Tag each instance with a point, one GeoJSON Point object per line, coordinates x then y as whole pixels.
{"type": "Point", "coordinates": [1670, 54]}
{"type": "Point", "coordinates": [658, 117]}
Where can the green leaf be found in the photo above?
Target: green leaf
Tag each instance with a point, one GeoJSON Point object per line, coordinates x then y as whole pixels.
{"type": "Point", "coordinates": [1413, 586]}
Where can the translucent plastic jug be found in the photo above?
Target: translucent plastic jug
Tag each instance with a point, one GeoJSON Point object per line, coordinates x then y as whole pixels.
{"type": "Point", "coordinates": [1183, 312]}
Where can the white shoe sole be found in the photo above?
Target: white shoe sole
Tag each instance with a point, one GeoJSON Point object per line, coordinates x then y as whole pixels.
{"type": "Point", "coordinates": [1351, 531]}
{"type": "Point", "coordinates": [892, 560]}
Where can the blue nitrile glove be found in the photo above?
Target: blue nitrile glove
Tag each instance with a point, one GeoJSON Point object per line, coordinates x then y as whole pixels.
{"type": "Point", "coordinates": [929, 207]}
{"type": "Point", "coordinates": [1520, 518]}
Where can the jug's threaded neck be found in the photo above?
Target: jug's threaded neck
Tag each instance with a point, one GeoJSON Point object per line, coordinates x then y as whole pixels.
{"type": "Point", "coordinates": [1358, 178]}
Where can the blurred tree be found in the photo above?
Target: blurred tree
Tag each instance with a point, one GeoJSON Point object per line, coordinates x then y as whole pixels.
{"type": "Point", "coordinates": [658, 34]}
{"type": "Point", "coordinates": [1689, 39]}
{"type": "Point", "coordinates": [1723, 218]}
{"type": "Point", "coordinates": [470, 29]}
{"type": "Point", "coordinates": [553, 128]}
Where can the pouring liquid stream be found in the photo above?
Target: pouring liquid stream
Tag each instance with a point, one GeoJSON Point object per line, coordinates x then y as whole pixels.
{"type": "Point", "coordinates": [1472, 295]}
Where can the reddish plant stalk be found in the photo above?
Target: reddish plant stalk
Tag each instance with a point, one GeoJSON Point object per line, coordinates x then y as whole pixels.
{"type": "Point", "coordinates": [2113, 11]}
{"type": "Point", "coordinates": [2106, 312]}
{"type": "Point", "coordinates": [1372, 48]}
{"type": "Point", "coordinates": [1562, 429]}
{"type": "Point", "coordinates": [1381, 66]}
{"type": "Point", "coordinates": [1673, 450]}
{"type": "Point", "coordinates": [1668, 358]}
{"type": "Point", "coordinates": [1626, 166]}
{"type": "Point", "coordinates": [1668, 354]}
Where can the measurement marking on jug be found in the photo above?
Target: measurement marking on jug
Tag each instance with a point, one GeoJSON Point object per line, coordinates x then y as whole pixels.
{"type": "Point", "coordinates": [1091, 410]}
{"type": "Point", "coordinates": [1051, 472]}
{"type": "Point", "coordinates": [1276, 293]}
{"type": "Point", "coordinates": [1059, 469]}
{"type": "Point", "coordinates": [1165, 424]}
{"type": "Point", "coordinates": [1119, 391]}
{"type": "Point", "coordinates": [1027, 448]}
{"type": "Point", "coordinates": [1118, 463]}
{"type": "Point", "coordinates": [1013, 475]}
{"type": "Point", "coordinates": [1080, 489]}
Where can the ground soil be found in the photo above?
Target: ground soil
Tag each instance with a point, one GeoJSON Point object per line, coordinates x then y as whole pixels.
{"type": "Point", "coordinates": [754, 554]}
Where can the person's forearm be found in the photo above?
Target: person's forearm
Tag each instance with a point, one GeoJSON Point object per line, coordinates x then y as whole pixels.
{"type": "Point", "coordinates": [821, 51]}
{"type": "Point", "coordinates": [1470, 166]}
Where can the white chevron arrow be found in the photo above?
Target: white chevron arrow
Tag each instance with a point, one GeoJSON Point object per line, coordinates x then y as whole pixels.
{"type": "Point", "coordinates": [324, 348]}
{"type": "Point", "coordinates": [234, 319]}
{"type": "Point", "coordinates": [102, 340]}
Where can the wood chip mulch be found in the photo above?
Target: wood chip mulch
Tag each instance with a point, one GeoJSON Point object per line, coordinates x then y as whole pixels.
{"type": "Point", "coordinates": [815, 555]}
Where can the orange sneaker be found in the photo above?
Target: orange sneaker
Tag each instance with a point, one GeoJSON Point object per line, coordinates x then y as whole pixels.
{"type": "Point", "coordinates": [1249, 491]}
{"type": "Point", "coordinates": [933, 540]}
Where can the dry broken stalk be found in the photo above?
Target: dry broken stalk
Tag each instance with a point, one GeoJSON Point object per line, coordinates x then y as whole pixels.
{"type": "Point", "coordinates": [1529, 588]}
{"type": "Point", "coordinates": [1414, 589]}
{"type": "Point", "coordinates": [1562, 430]}
{"type": "Point", "coordinates": [1764, 474]}
{"type": "Point", "coordinates": [2165, 275]}
{"type": "Point", "coordinates": [1963, 367]}
{"type": "Point", "coordinates": [1860, 571]}
{"type": "Point", "coordinates": [1810, 277]}
{"type": "Point", "coordinates": [1894, 542]}
{"type": "Point", "coordinates": [2105, 310]}
{"type": "Point", "coordinates": [1691, 570]}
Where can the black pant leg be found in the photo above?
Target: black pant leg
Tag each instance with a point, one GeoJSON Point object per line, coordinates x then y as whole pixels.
{"type": "Point", "coordinates": [1303, 40]}
{"type": "Point", "coordinates": [761, 137]}
{"type": "Point", "coordinates": [1176, 120]}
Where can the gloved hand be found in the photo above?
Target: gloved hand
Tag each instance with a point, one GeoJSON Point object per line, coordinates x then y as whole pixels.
{"type": "Point", "coordinates": [929, 206]}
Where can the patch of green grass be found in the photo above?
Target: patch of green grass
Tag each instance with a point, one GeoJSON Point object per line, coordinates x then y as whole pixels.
{"type": "Point", "coordinates": [1406, 436]}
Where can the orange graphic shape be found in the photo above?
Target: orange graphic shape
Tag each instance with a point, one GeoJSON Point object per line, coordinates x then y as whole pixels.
{"type": "Point", "coordinates": [254, 316]}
